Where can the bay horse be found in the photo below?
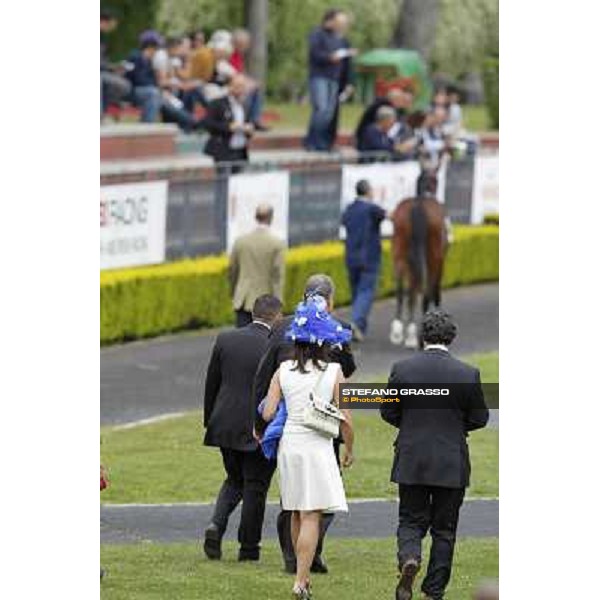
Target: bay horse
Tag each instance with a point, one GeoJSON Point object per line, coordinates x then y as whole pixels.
{"type": "Point", "coordinates": [419, 246]}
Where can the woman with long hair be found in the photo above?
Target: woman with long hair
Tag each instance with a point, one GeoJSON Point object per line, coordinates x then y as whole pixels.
{"type": "Point", "coordinates": [310, 480]}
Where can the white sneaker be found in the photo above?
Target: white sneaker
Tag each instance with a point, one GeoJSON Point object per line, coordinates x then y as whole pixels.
{"type": "Point", "coordinates": [397, 332]}
{"type": "Point", "coordinates": [412, 339]}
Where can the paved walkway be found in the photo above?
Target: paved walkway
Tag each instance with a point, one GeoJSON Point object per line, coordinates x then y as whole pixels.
{"type": "Point", "coordinates": [184, 522]}
{"type": "Point", "coordinates": [150, 378]}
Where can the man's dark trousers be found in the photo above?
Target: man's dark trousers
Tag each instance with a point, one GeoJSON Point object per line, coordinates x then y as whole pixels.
{"type": "Point", "coordinates": [248, 478]}
{"type": "Point", "coordinates": [429, 508]}
{"type": "Point", "coordinates": [363, 284]}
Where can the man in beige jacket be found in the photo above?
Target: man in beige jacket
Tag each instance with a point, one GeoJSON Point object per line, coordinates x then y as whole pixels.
{"type": "Point", "coordinates": [257, 266]}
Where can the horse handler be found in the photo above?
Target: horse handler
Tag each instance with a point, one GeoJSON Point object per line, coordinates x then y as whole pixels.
{"type": "Point", "coordinates": [362, 219]}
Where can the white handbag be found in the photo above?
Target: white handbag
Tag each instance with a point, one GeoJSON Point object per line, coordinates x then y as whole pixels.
{"type": "Point", "coordinates": [321, 415]}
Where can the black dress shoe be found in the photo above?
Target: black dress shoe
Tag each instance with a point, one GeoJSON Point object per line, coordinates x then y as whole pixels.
{"type": "Point", "coordinates": [319, 565]}
{"type": "Point", "coordinates": [261, 127]}
{"type": "Point", "coordinates": [248, 556]}
{"type": "Point", "coordinates": [212, 542]}
{"type": "Point", "coordinates": [409, 571]}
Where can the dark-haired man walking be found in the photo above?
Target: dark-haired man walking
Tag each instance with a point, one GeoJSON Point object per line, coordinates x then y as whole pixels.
{"type": "Point", "coordinates": [431, 461]}
{"type": "Point", "coordinates": [229, 413]}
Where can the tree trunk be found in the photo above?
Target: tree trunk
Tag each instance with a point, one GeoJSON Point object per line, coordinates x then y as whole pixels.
{"type": "Point", "coordinates": [257, 19]}
{"type": "Point", "coordinates": [416, 26]}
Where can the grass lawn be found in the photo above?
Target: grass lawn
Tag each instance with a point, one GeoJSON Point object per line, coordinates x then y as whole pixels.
{"type": "Point", "coordinates": [360, 569]}
{"type": "Point", "coordinates": [296, 116]}
{"type": "Point", "coordinates": [166, 461]}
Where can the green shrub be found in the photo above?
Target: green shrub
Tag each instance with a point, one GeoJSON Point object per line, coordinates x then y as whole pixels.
{"type": "Point", "coordinates": [491, 81]}
{"type": "Point", "coordinates": [148, 301]}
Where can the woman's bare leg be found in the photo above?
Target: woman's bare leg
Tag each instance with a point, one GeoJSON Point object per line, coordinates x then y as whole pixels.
{"type": "Point", "coordinates": [295, 527]}
{"type": "Point", "coordinates": [306, 544]}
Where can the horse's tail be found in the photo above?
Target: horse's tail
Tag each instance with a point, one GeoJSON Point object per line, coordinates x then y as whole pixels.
{"type": "Point", "coordinates": [418, 242]}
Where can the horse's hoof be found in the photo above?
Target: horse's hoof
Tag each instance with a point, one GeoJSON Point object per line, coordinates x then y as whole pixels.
{"type": "Point", "coordinates": [397, 332]}
{"type": "Point", "coordinates": [412, 339]}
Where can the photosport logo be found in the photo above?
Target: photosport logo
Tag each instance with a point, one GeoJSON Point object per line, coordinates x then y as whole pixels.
{"type": "Point", "coordinates": [374, 395]}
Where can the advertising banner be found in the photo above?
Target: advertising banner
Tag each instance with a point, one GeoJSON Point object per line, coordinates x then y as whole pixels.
{"type": "Point", "coordinates": [486, 187]}
{"type": "Point", "coordinates": [391, 182]}
{"type": "Point", "coordinates": [246, 192]}
{"type": "Point", "coordinates": [132, 224]}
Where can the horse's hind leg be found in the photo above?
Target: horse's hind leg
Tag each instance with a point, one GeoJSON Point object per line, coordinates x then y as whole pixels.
{"type": "Point", "coordinates": [399, 297]}
{"type": "Point", "coordinates": [427, 296]}
{"type": "Point", "coordinates": [412, 338]}
{"type": "Point", "coordinates": [437, 293]}
{"type": "Point", "coordinates": [397, 327]}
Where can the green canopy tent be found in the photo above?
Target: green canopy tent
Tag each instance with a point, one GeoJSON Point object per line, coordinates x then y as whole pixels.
{"type": "Point", "coordinates": [378, 70]}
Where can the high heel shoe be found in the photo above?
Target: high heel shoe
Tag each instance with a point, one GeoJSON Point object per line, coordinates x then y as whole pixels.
{"type": "Point", "coordinates": [299, 593]}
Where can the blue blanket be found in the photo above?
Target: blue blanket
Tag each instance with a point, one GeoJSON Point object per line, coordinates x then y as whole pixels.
{"type": "Point", "coordinates": [274, 430]}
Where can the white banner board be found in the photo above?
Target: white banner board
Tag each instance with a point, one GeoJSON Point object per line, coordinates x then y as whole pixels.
{"type": "Point", "coordinates": [246, 192]}
{"type": "Point", "coordinates": [391, 183]}
{"type": "Point", "coordinates": [133, 224]}
{"type": "Point", "coordinates": [486, 187]}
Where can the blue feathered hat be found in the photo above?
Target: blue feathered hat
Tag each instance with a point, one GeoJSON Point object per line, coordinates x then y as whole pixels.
{"type": "Point", "coordinates": [314, 325]}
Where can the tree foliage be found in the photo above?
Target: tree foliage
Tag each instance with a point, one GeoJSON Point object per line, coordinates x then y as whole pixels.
{"type": "Point", "coordinates": [466, 32]}
{"type": "Point", "coordinates": [134, 17]}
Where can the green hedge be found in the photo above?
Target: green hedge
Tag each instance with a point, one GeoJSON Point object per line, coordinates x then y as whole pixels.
{"type": "Point", "coordinates": [148, 301]}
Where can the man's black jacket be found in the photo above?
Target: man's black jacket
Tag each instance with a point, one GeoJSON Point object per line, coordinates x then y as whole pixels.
{"type": "Point", "coordinates": [369, 117]}
{"type": "Point", "coordinates": [431, 447]}
{"type": "Point", "coordinates": [217, 121]}
{"type": "Point", "coordinates": [228, 404]}
{"type": "Point", "coordinates": [280, 350]}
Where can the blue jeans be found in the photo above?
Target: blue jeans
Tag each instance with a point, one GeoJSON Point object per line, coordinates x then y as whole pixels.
{"type": "Point", "coordinates": [363, 284]}
{"type": "Point", "coordinates": [178, 115]}
{"type": "Point", "coordinates": [254, 106]}
{"type": "Point", "coordinates": [323, 100]}
{"type": "Point", "coordinates": [192, 97]}
{"type": "Point", "coordinates": [149, 99]}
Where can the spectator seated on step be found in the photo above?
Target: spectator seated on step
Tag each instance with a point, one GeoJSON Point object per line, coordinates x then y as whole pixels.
{"type": "Point", "coordinates": [387, 136]}
{"type": "Point", "coordinates": [145, 92]}
{"type": "Point", "coordinates": [241, 41]}
{"type": "Point", "coordinates": [210, 65]}
{"type": "Point", "coordinates": [399, 98]}
{"type": "Point", "coordinates": [168, 63]}
{"type": "Point", "coordinates": [114, 87]}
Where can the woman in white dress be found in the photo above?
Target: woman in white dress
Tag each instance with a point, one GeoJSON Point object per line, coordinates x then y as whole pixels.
{"type": "Point", "coordinates": [310, 480]}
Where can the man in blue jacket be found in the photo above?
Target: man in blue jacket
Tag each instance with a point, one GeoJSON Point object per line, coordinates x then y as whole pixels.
{"type": "Point", "coordinates": [328, 54]}
{"type": "Point", "coordinates": [145, 91]}
{"type": "Point", "coordinates": [362, 219]}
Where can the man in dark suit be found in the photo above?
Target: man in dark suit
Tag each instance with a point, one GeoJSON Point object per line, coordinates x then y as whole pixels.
{"type": "Point", "coordinates": [229, 126]}
{"type": "Point", "coordinates": [229, 410]}
{"type": "Point", "coordinates": [399, 98]}
{"type": "Point", "coordinates": [431, 462]}
{"type": "Point", "coordinates": [278, 351]}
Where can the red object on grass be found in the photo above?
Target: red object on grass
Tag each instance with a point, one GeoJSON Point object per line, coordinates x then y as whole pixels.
{"type": "Point", "coordinates": [103, 478]}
